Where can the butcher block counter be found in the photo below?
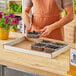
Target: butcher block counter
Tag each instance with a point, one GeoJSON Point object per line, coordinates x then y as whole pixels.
{"type": "Point", "coordinates": [35, 64]}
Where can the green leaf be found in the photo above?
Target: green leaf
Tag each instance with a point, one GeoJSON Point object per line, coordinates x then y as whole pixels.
{"type": "Point", "coordinates": [11, 27]}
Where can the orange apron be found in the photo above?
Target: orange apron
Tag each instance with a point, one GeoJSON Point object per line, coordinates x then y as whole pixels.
{"type": "Point", "coordinates": [46, 12]}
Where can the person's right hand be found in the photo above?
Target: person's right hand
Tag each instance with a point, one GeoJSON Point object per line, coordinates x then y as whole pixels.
{"type": "Point", "coordinates": [28, 29]}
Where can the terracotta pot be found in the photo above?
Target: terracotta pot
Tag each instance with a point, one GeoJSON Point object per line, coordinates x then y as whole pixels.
{"type": "Point", "coordinates": [4, 35]}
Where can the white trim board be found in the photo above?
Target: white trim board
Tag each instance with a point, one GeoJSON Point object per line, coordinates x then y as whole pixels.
{"type": "Point", "coordinates": [9, 46]}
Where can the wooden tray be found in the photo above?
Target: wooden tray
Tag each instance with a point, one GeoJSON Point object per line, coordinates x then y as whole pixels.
{"type": "Point", "coordinates": [24, 45]}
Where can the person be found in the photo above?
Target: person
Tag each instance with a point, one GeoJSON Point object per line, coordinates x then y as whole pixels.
{"type": "Point", "coordinates": [47, 17]}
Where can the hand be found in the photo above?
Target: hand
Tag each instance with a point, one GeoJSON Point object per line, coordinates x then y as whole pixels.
{"type": "Point", "coordinates": [28, 29]}
{"type": "Point", "coordinates": [46, 31]}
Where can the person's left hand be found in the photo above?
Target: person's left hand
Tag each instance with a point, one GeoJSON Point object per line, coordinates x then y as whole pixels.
{"type": "Point", "coordinates": [46, 31]}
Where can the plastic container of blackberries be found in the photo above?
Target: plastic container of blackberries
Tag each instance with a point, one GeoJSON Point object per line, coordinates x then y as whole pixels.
{"type": "Point", "coordinates": [47, 46]}
{"type": "Point", "coordinates": [33, 34]}
{"type": "Point", "coordinates": [38, 46]}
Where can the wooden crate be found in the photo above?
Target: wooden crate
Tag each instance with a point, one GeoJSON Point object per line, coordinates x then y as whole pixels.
{"type": "Point", "coordinates": [18, 2]}
{"type": "Point", "coordinates": [70, 32]}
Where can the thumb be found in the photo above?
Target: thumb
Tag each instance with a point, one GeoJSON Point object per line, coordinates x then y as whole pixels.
{"type": "Point", "coordinates": [43, 30]}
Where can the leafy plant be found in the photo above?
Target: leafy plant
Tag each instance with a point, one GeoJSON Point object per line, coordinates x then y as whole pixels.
{"type": "Point", "coordinates": [16, 8]}
{"type": "Point", "coordinates": [8, 21]}
{"type": "Point", "coordinates": [75, 5]}
{"type": "Point", "coordinates": [19, 10]}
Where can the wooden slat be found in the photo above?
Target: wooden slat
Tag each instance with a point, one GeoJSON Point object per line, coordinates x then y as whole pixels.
{"type": "Point", "coordinates": [18, 14]}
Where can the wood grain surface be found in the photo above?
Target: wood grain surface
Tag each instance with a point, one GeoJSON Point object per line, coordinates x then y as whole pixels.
{"type": "Point", "coordinates": [40, 65]}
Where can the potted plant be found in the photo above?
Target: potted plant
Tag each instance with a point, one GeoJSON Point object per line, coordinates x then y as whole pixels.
{"type": "Point", "coordinates": [7, 21]}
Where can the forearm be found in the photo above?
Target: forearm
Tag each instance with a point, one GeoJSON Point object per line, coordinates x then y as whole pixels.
{"type": "Point", "coordinates": [69, 17]}
{"type": "Point", "coordinates": [26, 18]}
{"type": "Point", "coordinates": [61, 22]}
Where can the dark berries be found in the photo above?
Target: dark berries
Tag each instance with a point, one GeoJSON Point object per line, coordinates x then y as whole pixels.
{"type": "Point", "coordinates": [33, 34]}
{"type": "Point", "coordinates": [47, 46]}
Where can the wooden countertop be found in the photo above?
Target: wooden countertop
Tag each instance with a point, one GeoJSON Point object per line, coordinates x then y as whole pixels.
{"type": "Point", "coordinates": [40, 65]}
